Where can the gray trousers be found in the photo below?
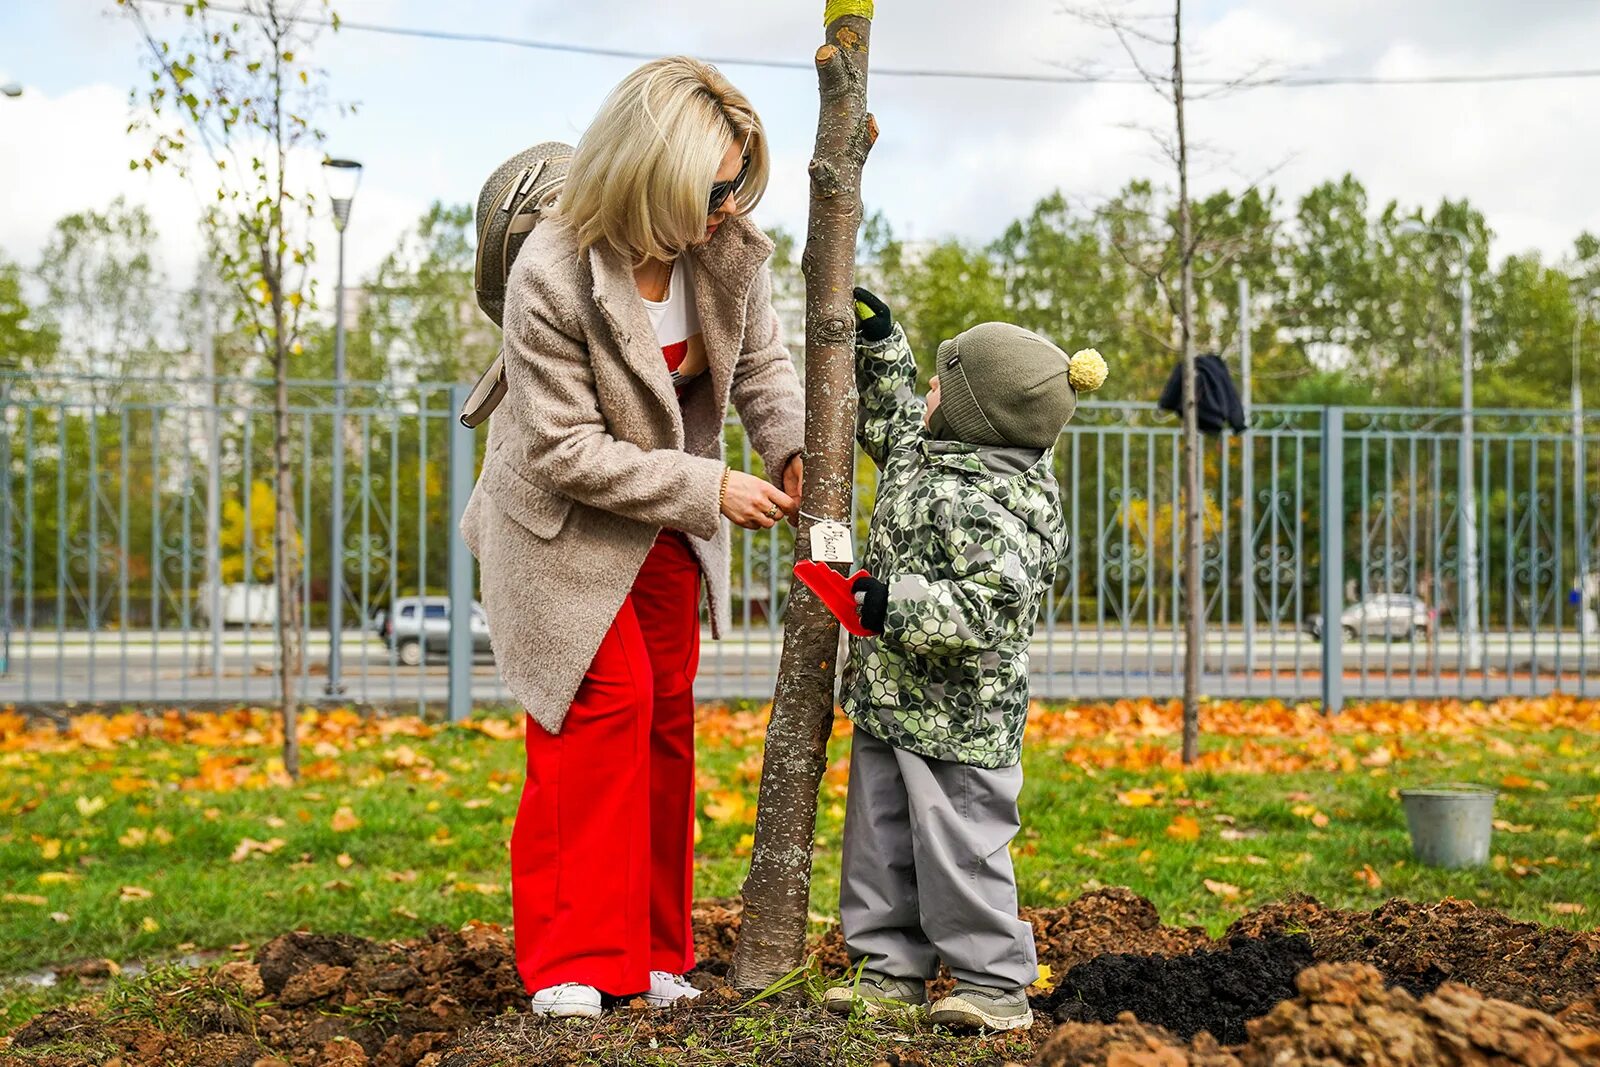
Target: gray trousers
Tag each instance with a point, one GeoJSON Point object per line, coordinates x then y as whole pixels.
{"type": "Point", "coordinates": [927, 868]}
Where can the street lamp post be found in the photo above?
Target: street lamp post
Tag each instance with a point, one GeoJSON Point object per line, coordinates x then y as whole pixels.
{"type": "Point", "coordinates": [343, 177]}
{"type": "Point", "coordinates": [1466, 490]}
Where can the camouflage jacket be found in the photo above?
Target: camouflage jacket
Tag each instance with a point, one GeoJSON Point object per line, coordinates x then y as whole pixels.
{"type": "Point", "coordinates": [967, 539]}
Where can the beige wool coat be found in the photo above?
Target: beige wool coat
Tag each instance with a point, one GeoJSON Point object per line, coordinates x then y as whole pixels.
{"type": "Point", "coordinates": [591, 453]}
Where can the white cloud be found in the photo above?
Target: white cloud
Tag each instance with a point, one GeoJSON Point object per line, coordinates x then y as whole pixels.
{"type": "Point", "coordinates": [956, 157]}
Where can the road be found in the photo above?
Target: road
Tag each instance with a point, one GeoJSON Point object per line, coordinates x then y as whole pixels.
{"type": "Point", "coordinates": [53, 669]}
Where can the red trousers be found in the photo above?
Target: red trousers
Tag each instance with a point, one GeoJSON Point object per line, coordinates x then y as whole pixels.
{"type": "Point", "coordinates": [602, 854]}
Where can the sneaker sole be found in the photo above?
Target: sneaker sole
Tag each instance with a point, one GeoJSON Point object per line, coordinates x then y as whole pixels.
{"type": "Point", "coordinates": [569, 1011]}
{"type": "Point", "coordinates": [872, 1008]}
{"type": "Point", "coordinates": [667, 1002]}
{"type": "Point", "coordinates": [974, 1018]}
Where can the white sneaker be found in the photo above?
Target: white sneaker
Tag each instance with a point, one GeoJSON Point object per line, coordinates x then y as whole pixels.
{"type": "Point", "coordinates": [666, 989]}
{"type": "Point", "coordinates": [569, 1000]}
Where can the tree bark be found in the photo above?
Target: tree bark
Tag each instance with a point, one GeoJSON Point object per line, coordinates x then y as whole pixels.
{"type": "Point", "coordinates": [1193, 589]}
{"type": "Point", "coordinates": [777, 891]}
{"type": "Point", "coordinates": [285, 552]}
{"type": "Point", "coordinates": [286, 549]}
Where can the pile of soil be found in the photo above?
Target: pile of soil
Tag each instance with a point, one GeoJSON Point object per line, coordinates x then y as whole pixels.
{"type": "Point", "coordinates": [1345, 1014]}
{"type": "Point", "coordinates": [1212, 991]}
{"type": "Point", "coordinates": [1129, 991]}
{"type": "Point", "coordinates": [1420, 946]}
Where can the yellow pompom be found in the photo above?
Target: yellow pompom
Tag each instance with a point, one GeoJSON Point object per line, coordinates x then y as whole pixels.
{"type": "Point", "coordinates": [1086, 370]}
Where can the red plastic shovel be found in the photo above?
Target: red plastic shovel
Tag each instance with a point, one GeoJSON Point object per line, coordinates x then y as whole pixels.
{"type": "Point", "coordinates": [834, 590]}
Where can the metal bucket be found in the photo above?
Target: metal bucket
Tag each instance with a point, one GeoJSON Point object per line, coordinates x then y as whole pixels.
{"type": "Point", "coordinates": [1450, 824]}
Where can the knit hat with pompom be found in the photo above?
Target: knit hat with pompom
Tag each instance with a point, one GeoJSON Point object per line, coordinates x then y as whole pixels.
{"type": "Point", "coordinates": [1002, 385]}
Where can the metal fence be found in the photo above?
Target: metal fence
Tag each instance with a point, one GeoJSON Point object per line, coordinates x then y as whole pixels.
{"type": "Point", "coordinates": [136, 559]}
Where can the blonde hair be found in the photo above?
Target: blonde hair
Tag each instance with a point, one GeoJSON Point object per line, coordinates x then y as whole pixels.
{"type": "Point", "coordinates": [642, 173]}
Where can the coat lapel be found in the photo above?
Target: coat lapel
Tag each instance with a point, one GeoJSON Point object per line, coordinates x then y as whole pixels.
{"type": "Point", "coordinates": [724, 270]}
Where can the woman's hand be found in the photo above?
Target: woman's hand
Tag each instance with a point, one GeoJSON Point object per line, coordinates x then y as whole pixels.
{"type": "Point", "coordinates": [794, 480]}
{"type": "Point", "coordinates": [754, 503]}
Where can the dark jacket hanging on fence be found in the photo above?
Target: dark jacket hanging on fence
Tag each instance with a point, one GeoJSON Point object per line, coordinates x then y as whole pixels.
{"type": "Point", "coordinates": [1219, 400]}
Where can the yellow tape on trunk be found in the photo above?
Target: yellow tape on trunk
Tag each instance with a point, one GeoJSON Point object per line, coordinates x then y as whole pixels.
{"type": "Point", "coordinates": [838, 9]}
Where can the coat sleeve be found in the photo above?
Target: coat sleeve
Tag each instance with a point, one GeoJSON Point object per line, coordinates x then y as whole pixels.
{"type": "Point", "coordinates": [551, 393]}
{"type": "Point", "coordinates": [765, 389]}
{"type": "Point", "coordinates": [979, 601]}
{"type": "Point", "coordinates": [890, 412]}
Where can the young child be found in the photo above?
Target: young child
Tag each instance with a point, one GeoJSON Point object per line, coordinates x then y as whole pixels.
{"type": "Point", "coordinates": [965, 538]}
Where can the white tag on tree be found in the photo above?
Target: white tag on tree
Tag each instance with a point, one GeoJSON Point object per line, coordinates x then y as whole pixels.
{"type": "Point", "coordinates": [830, 542]}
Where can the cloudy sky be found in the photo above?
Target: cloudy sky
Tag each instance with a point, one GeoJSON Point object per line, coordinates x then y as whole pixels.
{"type": "Point", "coordinates": [956, 157]}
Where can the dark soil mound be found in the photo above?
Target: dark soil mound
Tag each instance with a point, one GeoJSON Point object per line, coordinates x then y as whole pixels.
{"type": "Point", "coordinates": [1419, 946]}
{"type": "Point", "coordinates": [1214, 991]}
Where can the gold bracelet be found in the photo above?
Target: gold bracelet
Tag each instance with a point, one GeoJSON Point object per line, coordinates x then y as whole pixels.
{"type": "Point", "coordinates": [722, 494]}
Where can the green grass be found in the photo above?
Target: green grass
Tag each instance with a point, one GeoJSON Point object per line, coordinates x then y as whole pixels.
{"type": "Point", "coordinates": [435, 814]}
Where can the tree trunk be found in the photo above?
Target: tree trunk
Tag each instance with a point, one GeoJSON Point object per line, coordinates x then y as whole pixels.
{"type": "Point", "coordinates": [1193, 590]}
{"type": "Point", "coordinates": [284, 547]}
{"type": "Point", "coordinates": [777, 891]}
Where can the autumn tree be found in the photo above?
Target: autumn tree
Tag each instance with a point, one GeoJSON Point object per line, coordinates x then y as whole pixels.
{"type": "Point", "coordinates": [233, 103]}
{"type": "Point", "coordinates": [777, 892]}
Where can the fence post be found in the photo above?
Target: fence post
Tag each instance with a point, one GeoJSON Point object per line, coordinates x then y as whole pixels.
{"type": "Point", "coordinates": [1332, 559]}
{"type": "Point", "coordinates": [463, 453]}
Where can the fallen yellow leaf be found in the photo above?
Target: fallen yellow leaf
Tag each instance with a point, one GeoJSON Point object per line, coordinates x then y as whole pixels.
{"type": "Point", "coordinates": [1379, 757]}
{"type": "Point", "coordinates": [1044, 980]}
{"type": "Point", "coordinates": [1563, 908]}
{"type": "Point", "coordinates": [747, 842]}
{"type": "Point", "coordinates": [1136, 798]}
{"type": "Point", "coordinates": [149, 925]}
{"type": "Point", "coordinates": [135, 837]}
{"type": "Point", "coordinates": [1369, 877]}
{"type": "Point", "coordinates": [134, 892]}
{"type": "Point", "coordinates": [1513, 828]}
{"type": "Point", "coordinates": [344, 820]}
{"type": "Point", "coordinates": [249, 846]}
{"type": "Point", "coordinates": [23, 898]}
{"type": "Point", "coordinates": [1222, 889]}
{"type": "Point", "coordinates": [50, 849]}
{"type": "Point", "coordinates": [1184, 828]}
{"type": "Point", "coordinates": [725, 806]}
{"type": "Point", "coordinates": [343, 860]}
{"type": "Point", "coordinates": [486, 888]}
{"type": "Point", "coordinates": [57, 877]}
{"type": "Point", "coordinates": [403, 877]}
{"type": "Point", "coordinates": [90, 806]}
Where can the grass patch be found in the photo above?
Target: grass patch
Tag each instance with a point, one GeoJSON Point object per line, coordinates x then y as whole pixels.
{"type": "Point", "coordinates": [150, 848]}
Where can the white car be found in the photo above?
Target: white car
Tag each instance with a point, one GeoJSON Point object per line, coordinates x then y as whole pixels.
{"type": "Point", "coordinates": [1388, 615]}
{"type": "Point", "coordinates": [419, 627]}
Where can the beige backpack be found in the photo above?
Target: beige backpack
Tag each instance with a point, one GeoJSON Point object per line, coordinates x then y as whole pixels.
{"type": "Point", "coordinates": [517, 195]}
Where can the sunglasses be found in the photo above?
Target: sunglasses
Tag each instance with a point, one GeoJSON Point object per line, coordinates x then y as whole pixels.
{"type": "Point", "coordinates": [720, 191]}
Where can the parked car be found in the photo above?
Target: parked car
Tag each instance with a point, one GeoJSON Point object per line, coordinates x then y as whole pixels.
{"type": "Point", "coordinates": [419, 627]}
{"type": "Point", "coordinates": [1388, 615]}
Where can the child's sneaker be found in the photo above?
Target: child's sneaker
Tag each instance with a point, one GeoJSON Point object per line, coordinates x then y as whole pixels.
{"type": "Point", "coordinates": [877, 994]}
{"type": "Point", "coordinates": [666, 989]}
{"type": "Point", "coordinates": [976, 1007]}
{"type": "Point", "coordinates": [569, 1000]}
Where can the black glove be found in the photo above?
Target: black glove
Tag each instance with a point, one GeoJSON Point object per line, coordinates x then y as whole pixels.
{"type": "Point", "coordinates": [872, 594]}
{"type": "Point", "coordinates": [874, 324]}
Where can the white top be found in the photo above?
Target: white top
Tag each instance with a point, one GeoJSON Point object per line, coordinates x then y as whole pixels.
{"type": "Point", "coordinates": [677, 325]}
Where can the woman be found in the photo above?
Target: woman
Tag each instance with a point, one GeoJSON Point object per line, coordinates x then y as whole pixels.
{"type": "Point", "coordinates": [632, 317]}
